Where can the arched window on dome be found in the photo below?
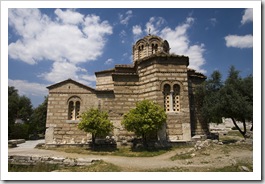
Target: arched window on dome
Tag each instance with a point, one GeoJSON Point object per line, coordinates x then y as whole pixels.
{"type": "Point", "coordinates": [140, 51]}
{"type": "Point", "coordinates": [154, 48]}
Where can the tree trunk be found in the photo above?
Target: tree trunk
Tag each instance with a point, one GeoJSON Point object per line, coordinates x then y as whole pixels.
{"type": "Point", "coordinates": [144, 140]}
{"type": "Point", "coordinates": [93, 141]}
{"type": "Point", "coordinates": [243, 133]}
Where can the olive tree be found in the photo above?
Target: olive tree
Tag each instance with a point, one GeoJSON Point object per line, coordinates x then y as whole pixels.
{"type": "Point", "coordinates": [237, 99]}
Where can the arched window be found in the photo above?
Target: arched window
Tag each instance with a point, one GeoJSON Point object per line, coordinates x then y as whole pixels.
{"type": "Point", "coordinates": [176, 98]}
{"type": "Point", "coordinates": [154, 48]}
{"type": "Point", "coordinates": [140, 51]}
{"type": "Point", "coordinates": [167, 97]}
{"type": "Point", "coordinates": [171, 98]}
{"type": "Point", "coordinates": [74, 108]}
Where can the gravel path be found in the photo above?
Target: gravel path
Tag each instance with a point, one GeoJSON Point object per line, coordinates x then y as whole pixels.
{"type": "Point", "coordinates": [212, 158]}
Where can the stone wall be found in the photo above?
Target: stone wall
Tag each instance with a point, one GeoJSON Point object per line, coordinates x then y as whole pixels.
{"type": "Point", "coordinates": [59, 128]}
{"type": "Point", "coordinates": [198, 125]}
{"type": "Point", "coordinates": [104, 81]}
{"type": "Point", "coordinates": [61, 161]}
{"type": "Point", "coordinates": [126, 96]}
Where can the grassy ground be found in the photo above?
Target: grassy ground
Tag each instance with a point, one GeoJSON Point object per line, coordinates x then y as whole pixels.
{"type": "Point", "coordinates": [124, 151]}
{"type": "Point", "coordinates": [41, 167]}
{"type": "Point", "coordinates": [214, 152]}
{"type": "Point", "coordinates": [101, 166]}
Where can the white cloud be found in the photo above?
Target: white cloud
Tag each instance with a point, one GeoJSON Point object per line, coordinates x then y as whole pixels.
{"type": "Point", "coordinates": [109, 61]}
{"type": "Point", "coordinates": [91, 78]}
{"type": "Point", "coordinates": [124, 19]}
{"type": "Point", "coordinates": [213, 21]}
{"type": "Point", "coordinates": [248, 16]}
{"type": "Point", "coordinates": [27, 88]}
{"type": "Point", "coordinates": [195, 53]}
{"type": "Point", "coordinates": [123, 35]}
{"type": "Point", "coordinates": [125, 54]}
{"type": "Point", "coordinates": [137, 30]}
{"type": "Point", "coordinates": [67, 40]}
{"type": "Point", "coordinates": [27, 22]}
{"type": "Point", "coordinates": [62, 70]}
{"type": "Point", "coordinates": [69, 16]}
{"type": "Point", "coordinates": [154, 24]}
{"type": "Point", "coordinates": [55, 41]}
{"type": "Point", "coordinates": [180, 44]}
{"type": "Point", "coordinates": [241, 42]}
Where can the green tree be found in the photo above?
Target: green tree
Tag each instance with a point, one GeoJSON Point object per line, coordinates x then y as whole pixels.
{"type": "Point", "coordinates": [209, 98]}
{"type": "Point", "coordinates": [144, 120]}
{"type": "Point", "coordinates": [37, 123]}
{"type": "Point", "coordinates": [19, 131]}
{"type": "Point", "coordinates": [212, 103]}
{"type": "Point", "coordinates": [13, 99]}
{"type": "Point", "coordinates": [230, 99]}
{"type": "Point", "coordinates": [19, 107]}
{"type": "Point", "coordinates": [95, 122]}
{"type": "Point", "coordinates": [237, 99]}
{"type": "Point", "coordinates": [25, 109]}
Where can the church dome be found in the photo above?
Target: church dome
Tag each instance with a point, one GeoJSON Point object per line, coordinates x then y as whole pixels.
{"type": "Point", "coordinates": [148, 46]}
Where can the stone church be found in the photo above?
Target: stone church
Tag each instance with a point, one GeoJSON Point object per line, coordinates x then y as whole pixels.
{"type": "Point", "coordinates": [155, 74]}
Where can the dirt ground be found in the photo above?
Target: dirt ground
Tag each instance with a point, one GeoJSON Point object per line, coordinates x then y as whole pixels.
{"type": "Point", "coordinates": [206, 159]}
{"type": "Point", "coordinates": [230, 151]}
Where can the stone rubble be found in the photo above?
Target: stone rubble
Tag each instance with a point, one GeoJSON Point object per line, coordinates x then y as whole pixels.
{"type": "Point", "coordinates": [33, 160]}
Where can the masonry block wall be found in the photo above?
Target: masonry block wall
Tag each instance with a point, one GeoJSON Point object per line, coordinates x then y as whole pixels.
{"type": "Point", "coordinates": [155, 75]}
{"type": "Point", "coordinates": [60, 127]}
{"type": "Point", "coordinates": [198, 125]}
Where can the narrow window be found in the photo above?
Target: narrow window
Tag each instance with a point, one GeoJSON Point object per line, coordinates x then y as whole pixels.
{"type": "Point", "coordinates": [77, 110]}
{"type": "Point", "coordinates": [176, 98]}
{"type": "Point", "coordinates": [167, 97]}
{"type": "Point", "coordinates": [140, 51]}
{"type": "Point", "coordinates": [71, 110]}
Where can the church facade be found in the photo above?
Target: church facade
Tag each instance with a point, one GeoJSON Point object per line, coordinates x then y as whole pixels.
{"type": "Point", "coordinates": [155, 75]}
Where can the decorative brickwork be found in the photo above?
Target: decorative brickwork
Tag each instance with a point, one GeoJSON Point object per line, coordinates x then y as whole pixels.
{"type": "Point", "coordinates": [155, 75]}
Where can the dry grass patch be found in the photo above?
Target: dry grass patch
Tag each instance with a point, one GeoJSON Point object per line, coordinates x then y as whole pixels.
{"type": "Point", "coordinates": [98, 166]}
{"type": "Point", "coordinates": [123, 151]}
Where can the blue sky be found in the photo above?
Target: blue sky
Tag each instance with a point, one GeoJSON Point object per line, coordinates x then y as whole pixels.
{"type": "Point", "coordinates": [46, 46]}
